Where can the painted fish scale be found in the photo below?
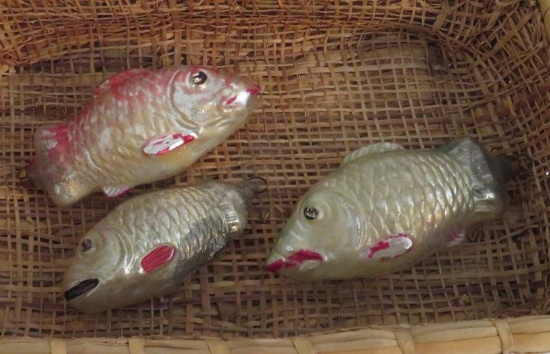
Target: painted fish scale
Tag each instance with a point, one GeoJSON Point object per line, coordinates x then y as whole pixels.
{"type": "Point", "coordinates": [191, 220]}
{"type": "Point", "coordinates": [122, 120]}
{"type": "Point", "coordinates": [206, 222]}
{"type": "Point", "coordinates": [119, 120]}
{"type": "Point", "coordinates": [392, 206]}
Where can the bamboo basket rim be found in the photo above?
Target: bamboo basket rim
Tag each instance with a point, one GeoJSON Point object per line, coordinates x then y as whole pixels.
{"type": "Point", "coordinates": [513, 335]}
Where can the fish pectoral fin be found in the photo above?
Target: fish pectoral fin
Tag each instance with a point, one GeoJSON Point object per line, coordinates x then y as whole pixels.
{"type": "Point", "coordinates": [371, 149]}
{"type": "Point", "coordinates": [160, 145]}
{"type": "Point", "coordinates": [390, 247]}
{"type": "Point", "coordinates": [158, 257]}
{"type": "Point", "coordinates": [116, 191]}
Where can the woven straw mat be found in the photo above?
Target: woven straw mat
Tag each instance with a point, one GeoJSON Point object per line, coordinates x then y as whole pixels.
{"type": "Point", "coordinates": [335, 76]}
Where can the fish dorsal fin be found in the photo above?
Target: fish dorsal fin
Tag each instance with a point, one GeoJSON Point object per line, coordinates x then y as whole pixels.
{"type": "Point", "coordinates": [371, 149]}
{"type": "Point", "coordinates": [117, 80]}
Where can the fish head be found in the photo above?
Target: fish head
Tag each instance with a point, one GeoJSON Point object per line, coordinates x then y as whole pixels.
{"type": "Point", "coordinates": [108, 270]}
{"type": "Point", "coordinates": [206, 98]}
{"type": "Point", "coordinates": [98, 258]}
{"type": "Point", "coordinates": [320, 234]}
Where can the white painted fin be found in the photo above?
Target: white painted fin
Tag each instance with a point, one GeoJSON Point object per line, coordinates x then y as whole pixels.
{"type": "Point", "coordinates": [390, 247]}
{"type": "Point", "coordinates": [115, 191]}
{"type": "Point", "coordinates": [162, 144]}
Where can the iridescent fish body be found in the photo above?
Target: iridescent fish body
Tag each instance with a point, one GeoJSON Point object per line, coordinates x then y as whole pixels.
{"type": "Point", "coordinates": [141, 126]}
{"type": "Point", "coordinates": [387, 208]}
{"type": "Point", "coordinates": [147, 245]}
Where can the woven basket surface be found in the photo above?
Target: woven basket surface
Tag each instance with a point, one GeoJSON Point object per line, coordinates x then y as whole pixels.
{"type": "Point", "coordinates": [335, 76]}
{"type": "Point", "coordinates": [528, 334]}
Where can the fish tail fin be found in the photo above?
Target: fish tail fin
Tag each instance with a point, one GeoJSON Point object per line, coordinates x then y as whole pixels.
{"type": "Point", "coordinates": [51, 168]}
{"type": "Point", "coordinates": [489, 174]}
{"type": "Point", "coordinates": [504, 167]}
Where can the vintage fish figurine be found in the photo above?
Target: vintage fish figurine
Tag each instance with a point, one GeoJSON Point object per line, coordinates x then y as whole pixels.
{"type": "Point", "coordinates": [140, 126]}
{"type": "Point", "coordinates": [386, 208]}
{"type": "Point", "coordinates": [147, 245]}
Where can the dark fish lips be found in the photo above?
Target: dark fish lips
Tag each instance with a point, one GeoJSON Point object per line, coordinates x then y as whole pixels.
{"type": "Point", "coordinates": [81, 288]}
{"type": "Point", "coordinates": [294, 260]}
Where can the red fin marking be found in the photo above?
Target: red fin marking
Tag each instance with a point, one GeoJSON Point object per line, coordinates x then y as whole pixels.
{"type": "Point", "coordinates": [163, 144]}
{"type": "Point", "coordinates": [187, 138]}
{"type": "Point", "coordinates": [305, 255]}
{"type": "Point", "coordinates": [157, 258]}
{"type": "Point", "coordinates": [391, 247]}
{"type": "Point", "coordinates": [295, 260]}
{"type": "Point", "coordinates": [381, 245]}
{"type": "Point", "coordinates": [230, 100]}
{"type": "Point", "coordinates": [276, 266]}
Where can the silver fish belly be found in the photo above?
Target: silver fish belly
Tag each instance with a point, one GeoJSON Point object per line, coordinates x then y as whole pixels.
{"type": "Point", "coordinates": [387, 208]}
{"type": "Point", "coordinates": [147, 246]}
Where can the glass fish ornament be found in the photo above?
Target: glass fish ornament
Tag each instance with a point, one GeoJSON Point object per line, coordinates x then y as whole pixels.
{"type": "Point", "coordinates": [149, 244]}
{"type": "Point", "coordinates": [386, 208]}
{"type": "Point", "coordinates": [140, 126]}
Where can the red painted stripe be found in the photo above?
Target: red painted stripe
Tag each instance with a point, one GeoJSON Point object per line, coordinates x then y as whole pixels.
{"type": "Point", "coordinates": [294, 260]}
{"type": "Point", "coordinates": [230, 100]}
{"type": "Point", "coordinates": [157, 258]}
{"type": "Point", "coordinates": [305, 255]}
{"type": "Point", "coordinates": [276, 266]}
{"type": "Point", "coordinates": [382, 245]}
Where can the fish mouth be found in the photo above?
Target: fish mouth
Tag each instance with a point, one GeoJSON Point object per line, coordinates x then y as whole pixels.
{"type": "Point", "coordinates": [81, 288]}
{"type": "Point", "coordinates": [294, 260]}
{"type": "Point", "coordinates": [243, 97]}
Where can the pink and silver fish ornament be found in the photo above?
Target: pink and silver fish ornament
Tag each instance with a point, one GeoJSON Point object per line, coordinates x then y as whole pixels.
{"type": "Point", "coordinates": [148, 245]}
{"type": "Point", "coordinates": [140, 126]}
{"type": "Point", "coordinates": [387, 208]}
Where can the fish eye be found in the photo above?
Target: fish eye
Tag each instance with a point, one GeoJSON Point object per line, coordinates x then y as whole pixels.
{"type": "Point", "coordinates": [199, 78]}
{"type": "Point", "coordinates": [310, 213]}
{"type": "Point", "coordinates": [86, 245]}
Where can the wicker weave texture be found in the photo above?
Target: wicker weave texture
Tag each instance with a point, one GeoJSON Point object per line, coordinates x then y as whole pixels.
{"type": "Point", "coordinates": [335, 76]}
